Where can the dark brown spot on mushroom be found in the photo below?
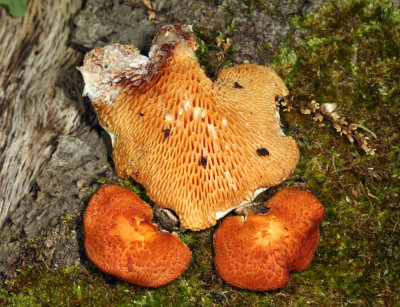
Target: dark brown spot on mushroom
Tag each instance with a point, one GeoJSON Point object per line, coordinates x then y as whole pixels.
{"type": "Point", "coordinates": [237, 85]}
{"type": "Point", "coordinates": [203, 161]}
{"type": "Point", "coordinates": [279, 99]}
{"type": "Point", "coordinates": [262, 152]}
{"type": "Point", "coordinates": [166, 133]}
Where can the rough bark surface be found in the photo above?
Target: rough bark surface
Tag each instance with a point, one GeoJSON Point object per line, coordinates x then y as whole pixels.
{"type": "Point", "coordinates": [37, 100]}
{"type": "Point", "coordinates": [103, 22]}
{"type": "Point", "coordinates": [44, 212]}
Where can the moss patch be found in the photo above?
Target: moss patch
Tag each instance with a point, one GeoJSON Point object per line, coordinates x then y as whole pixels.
{"type": "Point", "coordinates": [348, 55]}
{"type": "Point", "coordinates": [215, 49]}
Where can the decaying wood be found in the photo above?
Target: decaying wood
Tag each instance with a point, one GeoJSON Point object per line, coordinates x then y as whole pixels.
{"type": "Point", "coordinates": [38, 101]}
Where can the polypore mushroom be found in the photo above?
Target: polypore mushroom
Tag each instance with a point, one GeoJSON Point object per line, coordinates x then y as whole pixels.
{"type": "Point", "coordinates": [121, 240]}
{"type": "Point", "coordinates": [199, 147]}
{"type": "Point", "coordinates": [258, 253]}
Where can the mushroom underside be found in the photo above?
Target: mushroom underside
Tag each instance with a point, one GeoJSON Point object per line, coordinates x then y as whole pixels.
{"type": "Point", "coordinates": [199, 147]}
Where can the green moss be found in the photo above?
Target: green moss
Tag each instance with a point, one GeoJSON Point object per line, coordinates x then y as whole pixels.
{"type": "Point", "coordinates": [272, 7]}
{"type": "Point", "coordinates": [348, 55]}
{"type": "Point", "coordinates": [137, 188]}
{"type": "Point", "coordinates": [215, 48]}
{"type": "Point", "coordinates": [68, 221]}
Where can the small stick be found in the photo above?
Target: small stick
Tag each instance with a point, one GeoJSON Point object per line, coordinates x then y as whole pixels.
{"type": "Point", "coordinates": [365, 129]}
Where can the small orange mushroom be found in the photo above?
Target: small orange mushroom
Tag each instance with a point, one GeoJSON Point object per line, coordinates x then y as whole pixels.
{"type": "Point", "coordinates": [121, 240]}
{"type": "Point", "coordinates": [200, 148]}
{"type": "Point", "coordinates": [259, 252]}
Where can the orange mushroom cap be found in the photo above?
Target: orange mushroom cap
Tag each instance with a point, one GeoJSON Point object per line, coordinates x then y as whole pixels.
{"type": "Point", "coordinates": [258, 253]}
{"type": "Point", "coordinates": [121, 240]}
{"type": "Point", "coordinates": [199, 147]}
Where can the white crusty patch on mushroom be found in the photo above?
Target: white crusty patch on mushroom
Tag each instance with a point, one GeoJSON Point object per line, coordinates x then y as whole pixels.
{"type": "Point", "coordinates": [106, 67]}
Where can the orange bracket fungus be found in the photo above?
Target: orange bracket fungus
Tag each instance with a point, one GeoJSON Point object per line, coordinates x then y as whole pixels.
{"type": "Point", "coordinates": [121, 240]}
{"type": "Point", "coordinates": [200, 148]}
{"type": "Point", "coordinates": [258, 252]}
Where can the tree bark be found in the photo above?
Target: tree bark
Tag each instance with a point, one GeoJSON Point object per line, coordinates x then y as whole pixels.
{"type": "Point", "coordinates": [38, 100]}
